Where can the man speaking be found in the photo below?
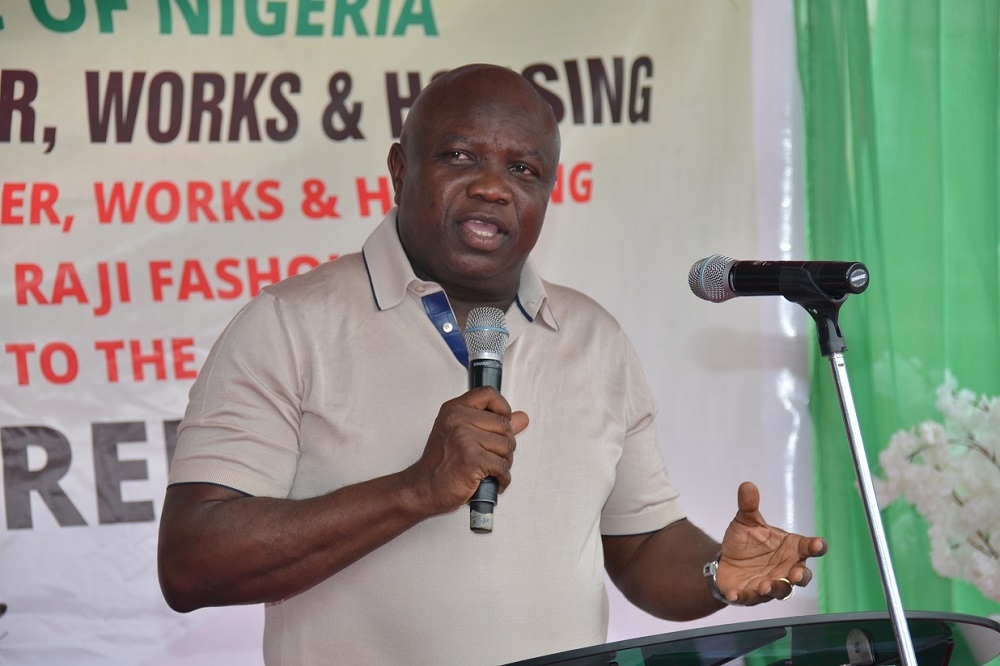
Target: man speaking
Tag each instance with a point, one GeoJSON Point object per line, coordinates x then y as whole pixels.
{"type": "Point", "coordinates": [331, 443]}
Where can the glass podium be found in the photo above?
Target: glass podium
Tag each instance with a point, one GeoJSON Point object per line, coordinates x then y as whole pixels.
{"type": "Point", "coordinates": [844, 639]}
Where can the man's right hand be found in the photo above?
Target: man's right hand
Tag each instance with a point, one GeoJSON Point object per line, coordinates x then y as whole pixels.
{"type": "Point", "coordinates": [473, 437]}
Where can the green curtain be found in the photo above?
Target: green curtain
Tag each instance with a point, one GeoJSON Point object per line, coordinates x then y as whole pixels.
{"type": "Point", "coordinates": [900, 118]}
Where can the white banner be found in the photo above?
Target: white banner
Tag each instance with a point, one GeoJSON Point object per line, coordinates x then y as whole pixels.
{"type": "Point", "coordinates": [161, 161]}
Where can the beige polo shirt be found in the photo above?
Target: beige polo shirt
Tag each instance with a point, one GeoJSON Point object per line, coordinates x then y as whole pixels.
{"type": "Point", "coordinates": [335, 376]}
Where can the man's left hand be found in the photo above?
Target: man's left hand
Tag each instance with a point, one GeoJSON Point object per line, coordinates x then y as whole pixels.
{"type": "Point", "coordinates": [760, 562]}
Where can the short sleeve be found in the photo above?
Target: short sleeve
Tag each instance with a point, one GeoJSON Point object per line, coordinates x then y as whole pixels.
{"type": "Point", "coordinates": [643, 498]}
{"type": "Point", "coordinates": [241, 427]}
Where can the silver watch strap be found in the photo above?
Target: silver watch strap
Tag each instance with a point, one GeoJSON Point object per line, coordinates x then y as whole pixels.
{"type": "Point", "coordinates": [710, 570]}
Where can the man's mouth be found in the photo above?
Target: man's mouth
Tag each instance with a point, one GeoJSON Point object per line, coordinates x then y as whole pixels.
{"type": "Point", "coordinates": [480, 229]}
{"type": "Point", "coordinates": [483, 234]}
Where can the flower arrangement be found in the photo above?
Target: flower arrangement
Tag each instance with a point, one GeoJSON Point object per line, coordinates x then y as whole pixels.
{"type": "Point", "coordinates": [951, 473]}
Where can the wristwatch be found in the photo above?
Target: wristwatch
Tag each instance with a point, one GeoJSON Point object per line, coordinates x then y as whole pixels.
{"type": "Point", "coordinates": [709, 570]}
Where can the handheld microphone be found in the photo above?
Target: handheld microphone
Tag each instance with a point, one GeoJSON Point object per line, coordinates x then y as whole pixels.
{"type": "Point", "coordinates": [718, 278]}
{"type": "Point", "coordinates": [486, 339]}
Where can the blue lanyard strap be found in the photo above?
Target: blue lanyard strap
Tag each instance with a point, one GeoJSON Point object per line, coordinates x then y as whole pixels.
{"type": "Point", "coordinates": [439, 311]}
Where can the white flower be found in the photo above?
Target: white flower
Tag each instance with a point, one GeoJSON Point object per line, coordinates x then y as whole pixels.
{"type": "Point", "coordinates": [951, 473]}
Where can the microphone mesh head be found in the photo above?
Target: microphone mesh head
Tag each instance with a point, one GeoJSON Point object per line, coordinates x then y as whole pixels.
{"type": "Point", "coordinates": [486, 333]}
{"type": "Point", "coordinates": [709, 278]}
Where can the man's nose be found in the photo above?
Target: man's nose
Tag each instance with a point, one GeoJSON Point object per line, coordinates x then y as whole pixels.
{"type": "Point", "coordinates": [491, 183]}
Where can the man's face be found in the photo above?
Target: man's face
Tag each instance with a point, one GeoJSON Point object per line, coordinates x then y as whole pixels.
{"type": "Point", "coordinates": [472, 184]}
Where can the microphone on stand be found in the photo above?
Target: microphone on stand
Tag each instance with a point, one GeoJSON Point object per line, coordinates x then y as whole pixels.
{"type": "Point", "coordinates": [820, 287]}
{"type": "Point", "coordinates": [486, 339]}
{"type": "Point", "coordinates": [718, 278]}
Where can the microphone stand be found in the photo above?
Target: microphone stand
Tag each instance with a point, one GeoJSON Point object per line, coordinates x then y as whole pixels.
{"type": "Point", "coordinates": [798, 286]}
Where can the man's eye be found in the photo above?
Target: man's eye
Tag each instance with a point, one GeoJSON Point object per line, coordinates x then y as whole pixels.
{"type": "Point", "coordinates": [523, 169]}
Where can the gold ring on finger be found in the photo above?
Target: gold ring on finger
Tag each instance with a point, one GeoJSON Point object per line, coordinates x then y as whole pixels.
{"type": "Point", "coordinates": [791, 590]}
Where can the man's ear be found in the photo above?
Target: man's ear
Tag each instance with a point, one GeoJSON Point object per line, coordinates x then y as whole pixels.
{"type": "Point", "coordinates": [397, 165]}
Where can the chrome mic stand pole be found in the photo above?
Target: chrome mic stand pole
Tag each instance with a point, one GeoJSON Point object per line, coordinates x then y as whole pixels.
{"type": "Point", "coordinates": [798, 286]}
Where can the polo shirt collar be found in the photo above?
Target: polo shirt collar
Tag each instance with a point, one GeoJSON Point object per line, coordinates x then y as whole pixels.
{"type": "Point", "coordinates": [391, 275]}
